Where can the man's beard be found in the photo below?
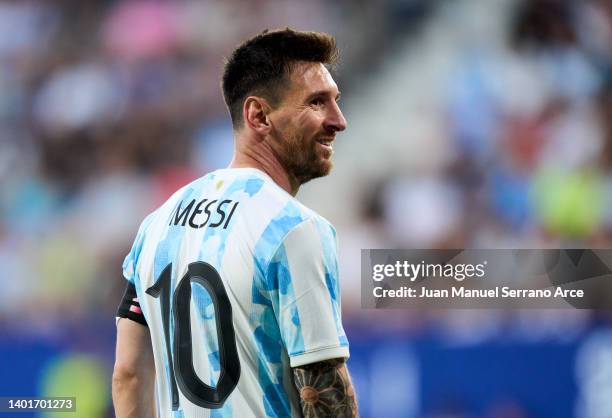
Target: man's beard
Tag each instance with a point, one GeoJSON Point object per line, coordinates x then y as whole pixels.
{"type": "Point", "coordinates": [299, 157]}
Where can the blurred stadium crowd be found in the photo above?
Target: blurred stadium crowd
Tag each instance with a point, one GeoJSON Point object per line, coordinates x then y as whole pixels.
{"type": "Point", "coordinates": [472, 123]}
{"type": "Point", "coordinates": [106, 107]}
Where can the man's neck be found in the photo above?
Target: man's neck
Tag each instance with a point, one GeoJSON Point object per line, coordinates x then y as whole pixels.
{"type": "Point", "coordinates": [259, 155]}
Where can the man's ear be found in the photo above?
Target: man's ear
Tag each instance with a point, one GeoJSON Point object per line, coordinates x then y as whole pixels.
{"type": "Point", "coordinates": [255, 113]}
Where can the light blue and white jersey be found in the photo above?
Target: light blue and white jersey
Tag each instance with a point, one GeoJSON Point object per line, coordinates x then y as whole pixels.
{"type": "Point", "coordinates": [238, 282]}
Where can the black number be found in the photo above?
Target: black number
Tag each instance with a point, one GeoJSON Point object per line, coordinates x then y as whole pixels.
{"type": "Point", "coordinates": [188, 381]}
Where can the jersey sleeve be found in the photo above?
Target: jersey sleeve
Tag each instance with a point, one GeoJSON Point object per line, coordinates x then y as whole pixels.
{"type": "Point", "coordinates": [131, 260]}
{"type": "Point", "coordinates": [308, 307]}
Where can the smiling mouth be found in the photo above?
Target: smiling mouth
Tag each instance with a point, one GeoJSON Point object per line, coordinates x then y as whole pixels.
{"type": "Point", "coordinates": [327, 143]}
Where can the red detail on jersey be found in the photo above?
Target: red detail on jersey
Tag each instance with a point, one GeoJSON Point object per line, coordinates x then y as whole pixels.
{"type": "Point", "coordinates": [135, 309]}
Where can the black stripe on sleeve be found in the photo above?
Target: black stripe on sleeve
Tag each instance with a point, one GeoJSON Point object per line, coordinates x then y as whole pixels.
{"type": "Point", "coordinates": [129, 307]}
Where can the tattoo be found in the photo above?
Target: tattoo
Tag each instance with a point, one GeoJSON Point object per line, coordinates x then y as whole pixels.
{"type": "Point", "coordinates": [326, 390]}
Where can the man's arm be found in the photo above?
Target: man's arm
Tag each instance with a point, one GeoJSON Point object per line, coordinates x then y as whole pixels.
{"type": "Point", "coordinates": [134, 373]}
{"type": "Point", "coordinates": [326, 389]}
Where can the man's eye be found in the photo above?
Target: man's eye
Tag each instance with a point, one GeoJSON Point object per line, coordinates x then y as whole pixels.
{"type": "Point", "coordinates": [316, 102]}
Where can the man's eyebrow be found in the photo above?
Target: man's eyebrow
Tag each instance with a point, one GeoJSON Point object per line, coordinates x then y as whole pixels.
{"type": "Point", "coordinates": [321, 93]}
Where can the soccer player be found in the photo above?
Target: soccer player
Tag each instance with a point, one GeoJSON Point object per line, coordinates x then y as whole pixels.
{"type": "Point", "coordinates": [233, 302]}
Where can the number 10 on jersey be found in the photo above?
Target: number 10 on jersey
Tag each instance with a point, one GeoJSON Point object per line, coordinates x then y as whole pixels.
{"type": "Point", "coordinates": [180, 360]}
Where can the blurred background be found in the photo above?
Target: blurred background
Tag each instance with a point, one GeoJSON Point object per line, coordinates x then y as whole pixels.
{"type": "Point", "coordinates": [472, 123]}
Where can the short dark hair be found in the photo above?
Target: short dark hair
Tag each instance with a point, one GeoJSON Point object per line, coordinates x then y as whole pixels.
{"type": "Point", "coordinates": [262, 65]}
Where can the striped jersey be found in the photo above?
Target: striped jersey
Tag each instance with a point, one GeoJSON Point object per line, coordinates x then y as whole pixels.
{"type": "Point", "coordinates": [238, 282]}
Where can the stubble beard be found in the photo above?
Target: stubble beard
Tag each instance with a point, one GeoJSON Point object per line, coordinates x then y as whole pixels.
{"type": "Point", "coordinates": [299, 157]}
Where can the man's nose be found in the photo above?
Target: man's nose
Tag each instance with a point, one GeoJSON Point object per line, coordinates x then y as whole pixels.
{"type": "Point", "coordinates": [335, 119]}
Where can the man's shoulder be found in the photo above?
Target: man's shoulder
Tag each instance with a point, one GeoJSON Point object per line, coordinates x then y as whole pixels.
{"type": "Point", "coordinates": [293, 212]}
{"type": "Point", "coordinates": [287, 222]}
{"type": "Point", "coordinates": [297, 225]}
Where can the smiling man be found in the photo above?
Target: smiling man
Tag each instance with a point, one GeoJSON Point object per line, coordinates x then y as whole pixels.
{"type": "Point", "coordinates": [233, 300]}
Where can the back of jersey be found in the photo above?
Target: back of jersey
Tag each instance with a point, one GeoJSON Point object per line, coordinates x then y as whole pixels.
{"type": "Point", "coordinates": [217, 273]}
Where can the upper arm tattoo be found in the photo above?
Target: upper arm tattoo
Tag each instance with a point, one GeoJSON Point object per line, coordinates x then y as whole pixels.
{"type": "Point", "coordinates": [326, 390]}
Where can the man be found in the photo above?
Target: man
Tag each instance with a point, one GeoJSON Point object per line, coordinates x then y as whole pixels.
{"type": "Point", "coordinates": [233, 299]}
